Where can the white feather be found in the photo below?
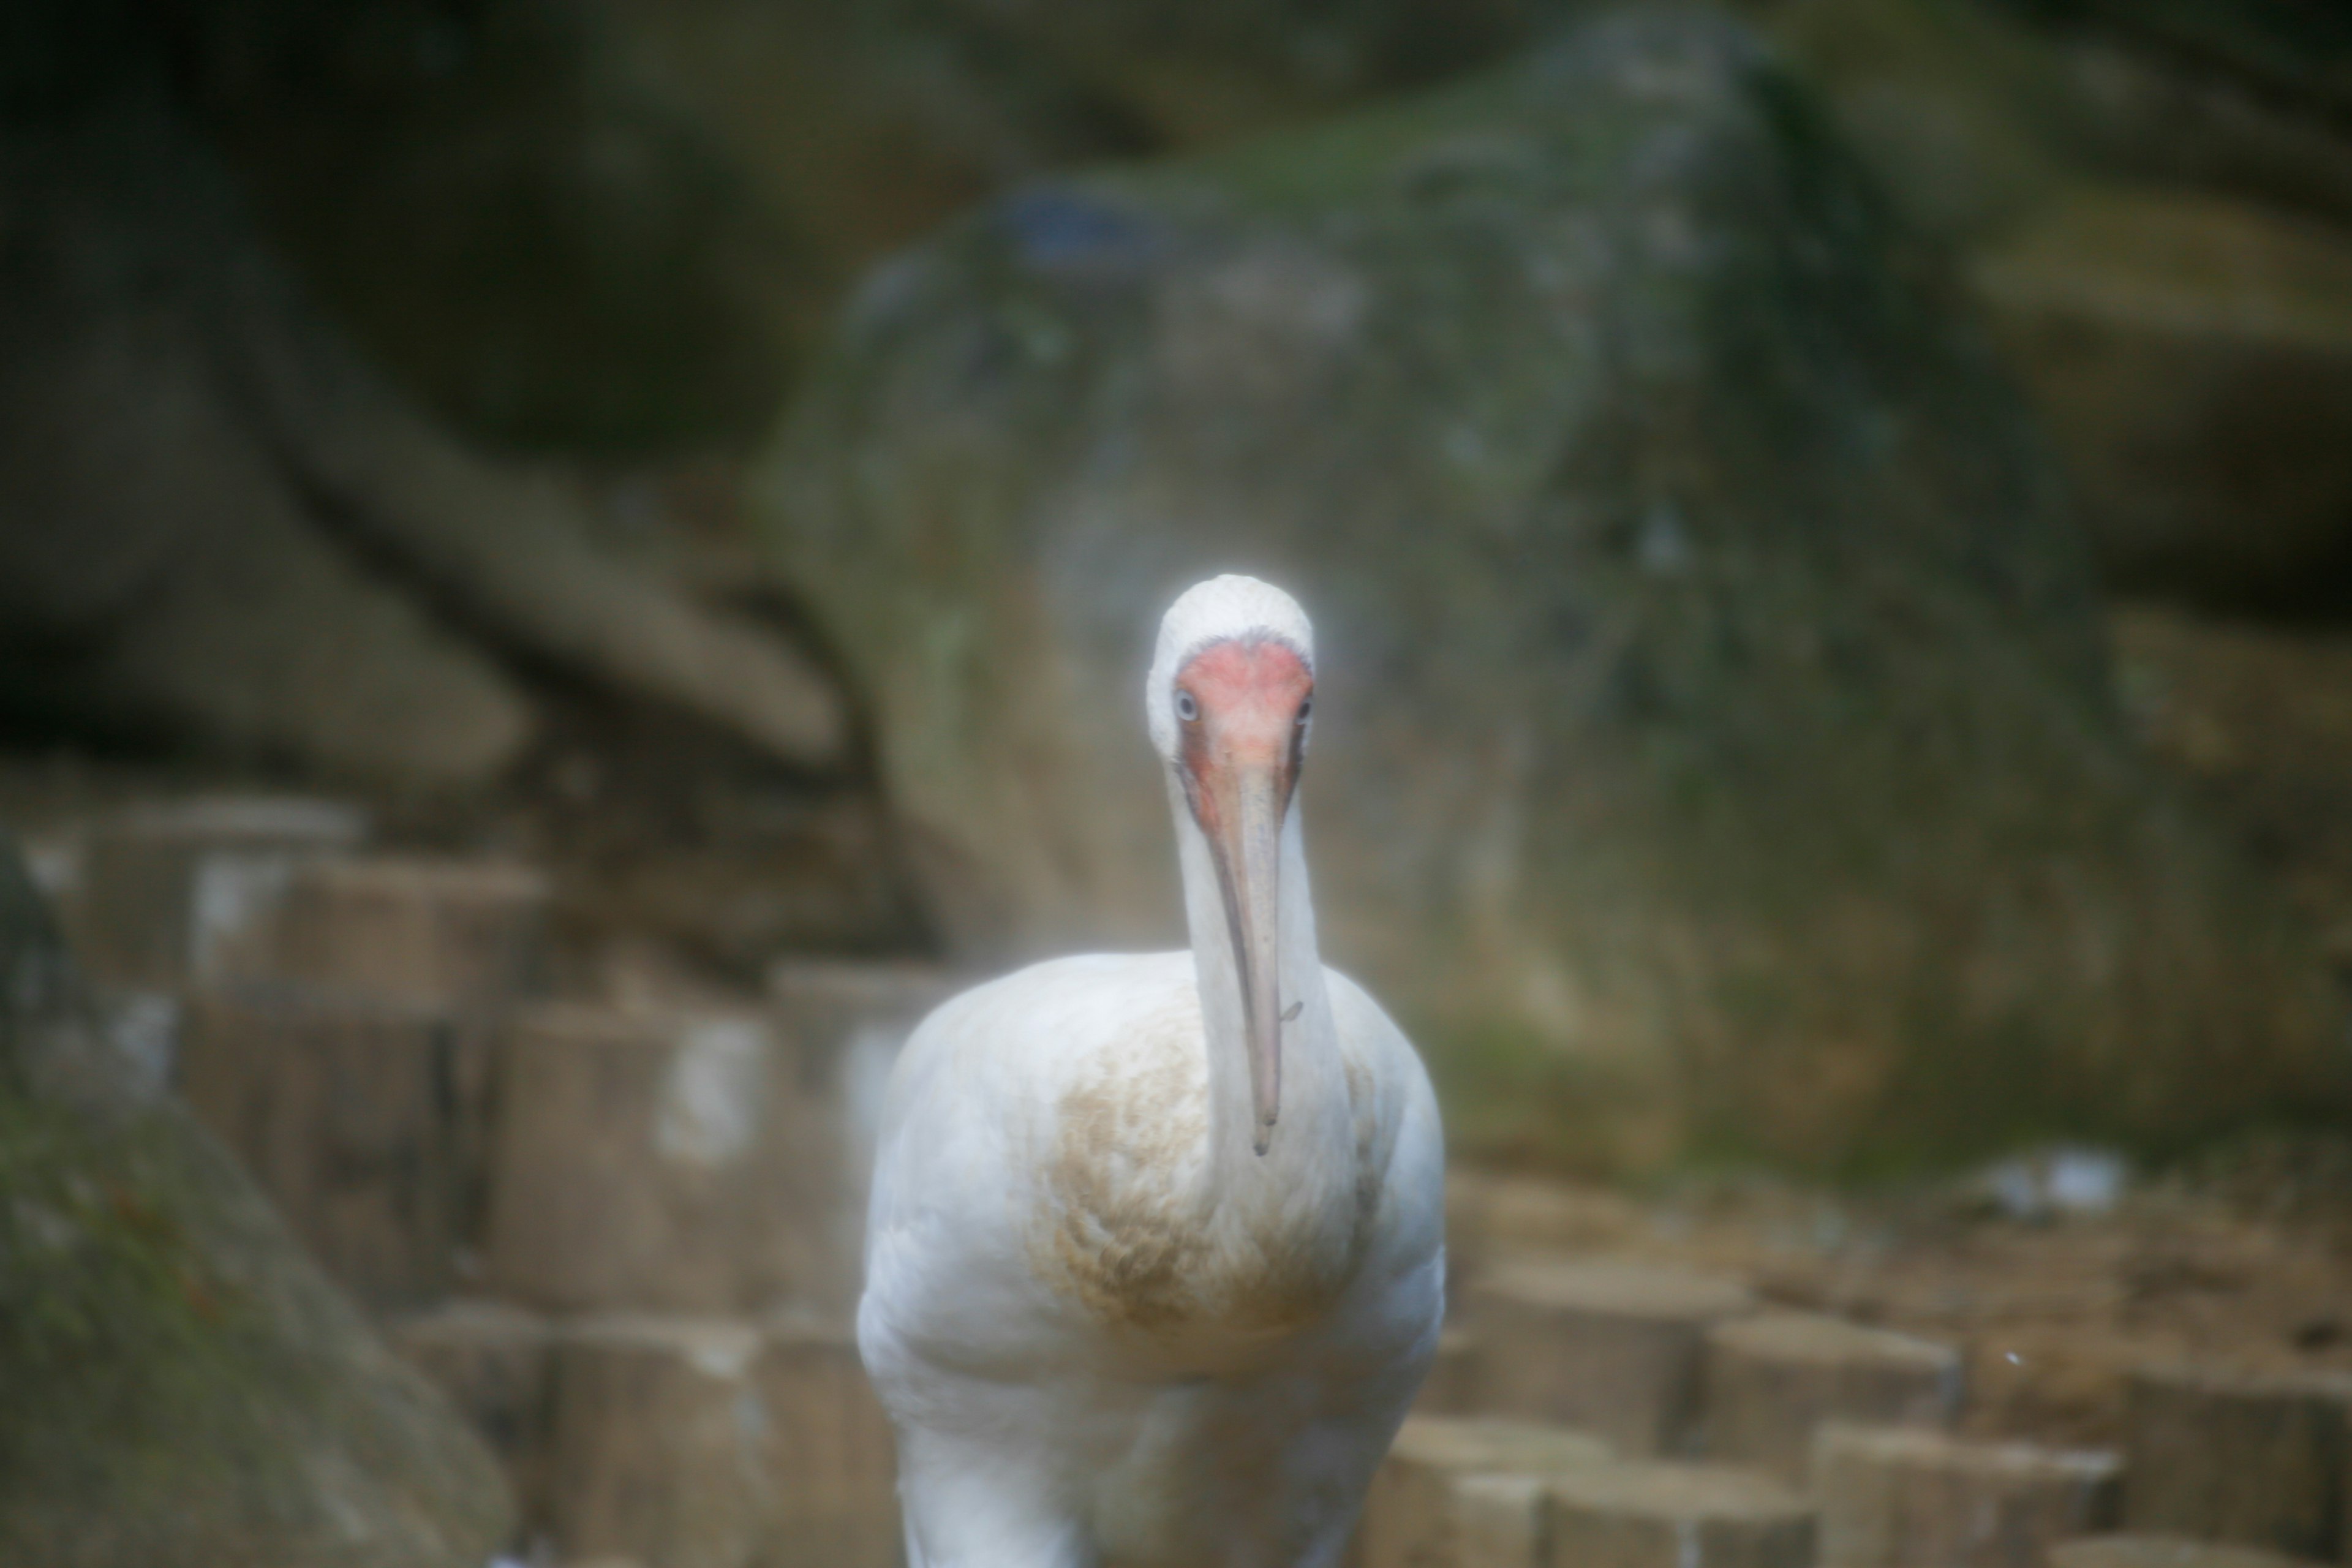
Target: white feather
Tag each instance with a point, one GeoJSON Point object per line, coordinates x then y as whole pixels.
{"type": "Point", "coordinates": [1106, 1329]}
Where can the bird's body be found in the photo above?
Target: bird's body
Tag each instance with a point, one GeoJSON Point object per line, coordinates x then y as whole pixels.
{"type": "Point", "coordinates": [1115, 1312]}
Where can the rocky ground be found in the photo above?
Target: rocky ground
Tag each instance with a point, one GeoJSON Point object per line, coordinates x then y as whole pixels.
{"type": "Point", "coordinates": [2242, 1255]}
{"type": "Point", "coordinates": [2243, 1259]}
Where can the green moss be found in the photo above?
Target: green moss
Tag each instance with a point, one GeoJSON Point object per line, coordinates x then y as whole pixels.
{"type": "Point", "coordinates": [184, 1389]}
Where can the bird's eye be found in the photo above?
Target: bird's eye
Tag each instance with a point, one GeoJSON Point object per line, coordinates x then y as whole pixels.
{"type": "Point", "coordinates": [1186, 709]}
{"type": "Point", "coordinates": [1305, 708]}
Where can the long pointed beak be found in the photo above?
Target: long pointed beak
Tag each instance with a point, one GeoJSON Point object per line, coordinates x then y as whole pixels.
{"type": "Point", "coordinates": [1248, 849]}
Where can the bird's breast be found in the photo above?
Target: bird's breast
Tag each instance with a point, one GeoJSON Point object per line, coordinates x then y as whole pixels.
{"type": "Point", "coordinates": [1133, 1229]}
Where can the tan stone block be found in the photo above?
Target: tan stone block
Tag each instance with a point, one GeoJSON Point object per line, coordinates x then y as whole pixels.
{"type": "Point", "coordinates": [155, 891]}
{"type": "Point", "coordinates": [1408, 1514]}
{"type": "Point", "coordinates": [1656, 1514]}
{"type": "Point", "coordinates": [661, 1449]}
{"type": "Point", "coordinates": [457, 935]}
{"type": "Point", "coordinates": [845, 1021]}
{"type": "Point", "coordinates": [655, 1162]}
{"type": "Point", "coordinates": [2259, 1459]}
{"type": "Point", "coordinates": [1452, 1387]}
{"type": "Point", "coordinates": [1500, 1522]}
{"type": "Point", "coordinates": [1773, 1378]}
{"type": "Point", "coordinates": [835, 1456]}
{"type": "Point", "coordinates": [2137, 1551]}
{"type": "Point", "coordinates": [1906, 1497]}
{"type": "Point", "coordinates": [493, 1361]}
{"type": "Point", "coordinates": [1604, 1345]}
{"type": "Point", "coordinates": [365, 1123]}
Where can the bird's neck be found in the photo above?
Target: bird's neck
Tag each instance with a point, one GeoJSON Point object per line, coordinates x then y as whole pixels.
{"type": "Point", "coordinates": [1315, 1111]}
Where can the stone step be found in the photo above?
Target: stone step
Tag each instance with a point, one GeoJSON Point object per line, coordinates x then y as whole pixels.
{"type": "Point", "coordinates": [463, 935]}
{"type": "Point", "coordinates": [701, 1444]}
{"type": "Point", "coordinates": [836, 1456]}
{"type": "Point", "coordinates": [1904, 1496]}
{"type": "Point", "coordinates": [1771, 1379]}
{"type": "Point", "coordinates": [365, 1123]}
{"type": "Point", "coordinates": [1605, 1345]}
{"type": "Point", "coordinates": [2262, 1459]}
{"type": "Point", "coordinates": [2135, 1550]}
{"type": "Point", "coordinates": [1410, 1514]}
{"type": "Point", "coordinates": [701, 1162]}
{"type": "Point", "coordinates": [1499, 1521]}
{"type": "Point", "coordinates": [658, 1446]}
{"type": "Point", "coordinates": [152, 894]}
{"type": "Point", "coordinates": [1662, 1514]}
{"type": "Point", "coordinates": [651, 1161]}
{"type": "Point", "coordinates": [679, 1442]}
{"type": "Point", "coordinates": [1450, 1388]}
{"type": "Point", "coordinates": [847, 1021]}
{"type": "Point", "coordinates": [496, 1363]}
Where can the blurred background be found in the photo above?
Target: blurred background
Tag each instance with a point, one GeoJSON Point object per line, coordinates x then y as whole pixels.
{"type": "Point", "coordinates": [567, 567]}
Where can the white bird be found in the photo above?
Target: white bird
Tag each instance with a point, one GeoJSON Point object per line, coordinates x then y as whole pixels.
{"type": "Point", "coordinates": [1155, 1257]}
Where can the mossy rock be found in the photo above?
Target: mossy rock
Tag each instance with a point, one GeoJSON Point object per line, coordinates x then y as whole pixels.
{"type": "Point", "coordinates": [1714, 745]}
{"type": "Point", "coordinates": [184, 1387]}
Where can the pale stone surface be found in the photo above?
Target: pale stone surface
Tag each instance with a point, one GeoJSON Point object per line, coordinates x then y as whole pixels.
{"type": "Point", "coordinates": [365, 1121]}
{"type": "Point", "coordinates": [835, 1454]}
{"type": "Point", "coordinates": [656, 1160]}
{"type": "Point", "coordinates": [1773, 1378]}
{"type": "Point", "coordinates": [1665, 1515]}
{"type": "Point", "coordinates": [1451, 1387]}
{"type": "Point", "coordinates": [1408, 1516]}
{"type": "Point", "coordinates": [1500, 1522]}
{"type": "Point", "coordinates": [1608, 1346]}
{"type": "Point", "coordinates": [419, 931]}
{"type": "Point", "coordinates": [155, 893]}
{"type": "Point", "coordinates": [2259, 1459]}
{"type": "Point", "coordinates": [495, 1364]}
{"type": "Point", "coordinates": [845, 1021]}
{"type": "Point", "coordinates": [661, 1447]}
{"type": "Point", "coordinates": [1900, 1497]}
{"type": "Point", "coordinates": [2135, 1550]}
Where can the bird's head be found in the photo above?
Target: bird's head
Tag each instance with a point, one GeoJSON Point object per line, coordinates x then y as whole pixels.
{"type": "Point", "coordinates": [1230, 699]}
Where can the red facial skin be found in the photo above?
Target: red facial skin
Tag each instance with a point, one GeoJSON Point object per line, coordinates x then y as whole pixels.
{"type": "Point", "coordinates": [1250, 695]}
{"type": "Point", "coordinates": [1241, 707]}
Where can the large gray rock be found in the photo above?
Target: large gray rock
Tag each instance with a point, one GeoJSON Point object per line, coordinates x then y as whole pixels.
{"type": "Point", "coordinates": [183, 1386]}
{"type": "Point", "coordinates": [2155, 200]}
{"type": "Point", "coordinates": [220, 528]}
{"type": "Point", "coordinates": [1715, 742]}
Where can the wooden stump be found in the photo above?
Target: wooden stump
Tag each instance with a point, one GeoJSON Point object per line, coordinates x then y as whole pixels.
{"type": "Point", "coordinates": [654, 1162]}
{"type": "Point", "coordinates": [661, 1447]}
{"type": "Point", "coordinates": [2134, 1551]}
{"type": "Point", "coordinates": [835, 1457]}
{"type": "Point", "coordinates": [364, 1123]}
{"type": "Point", "coordinates": [1902, 1497]}
{"type": "Point", "coordinates": [2257, 1460]}
{"type": "Point", "coordinates": [1450, 1388]}
{"type": "Point", "coordinates": [1664, 1515]}
{"type": "Point", "coordinates": [493, 1362]}
{"type": "Point", "coordinates": [152, 895]}
{"type": "Point", "coordinates": [1501, 1522]}
{"type": "Point", "coordinates": [1772, 1379]}
{"type": "Point", "coordinates": [456, 934]}
{"type": "Point", "coordinates": [846, 1022]}
{"type": "Point", "coordinates": [1409, 1515]}
{"type": "Point", "coordinates": [1607, 1347]}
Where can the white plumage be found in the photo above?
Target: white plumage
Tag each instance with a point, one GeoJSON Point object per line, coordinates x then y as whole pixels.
{"type": "Point", "coordinates": [1155, 1258]}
